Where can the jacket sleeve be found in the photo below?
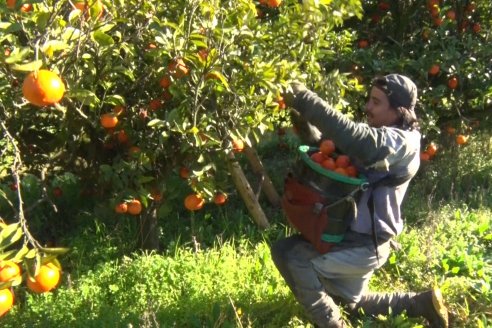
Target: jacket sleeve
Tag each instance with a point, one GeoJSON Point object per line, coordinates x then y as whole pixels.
{"type": "Point", "coordinates": [354, 139]}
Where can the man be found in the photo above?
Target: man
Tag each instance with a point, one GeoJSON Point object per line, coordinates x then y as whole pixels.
{"type": "Point", "coordinates": [388, 145]}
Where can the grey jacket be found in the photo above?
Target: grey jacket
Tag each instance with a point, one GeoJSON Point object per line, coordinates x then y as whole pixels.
{"type": "Point", "coordinates": [377, 152]}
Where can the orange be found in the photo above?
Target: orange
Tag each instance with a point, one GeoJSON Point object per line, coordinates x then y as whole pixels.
{"type": "Point", "coordinates": [93, 8]}
{"type": "Point", "coordinates": [451, 15]}
{"type": "Point", "coordinates": [329, 164]}
{"type": "Point", "coordinates": [341, 170]}
{"type": "Point", "coordinates": [11, 4]}
{"type": "Point", "coordinates": [178, 68]}
{"type": "Point", "coordinates": [122, 137]}
{"type": "Point", "coordinates": [8, 271]}
{"type": "Point", "coordinates": [318, 157]}
{"type": "Point", "coordinates": [352, 171]}
{"type": "Point", "coordinates": [237, 145]}
{"type": "Point", "coordinates": [134, 207]}
{"type": "Point", "coordinates": [165, 82]}
{"type": "Point", "coordinates": [281, 102]}
{"type": "Point", "coordinates": [194, 202]}
{"type": "Point", "coordinates": [220, 198]}
{"type": "Point", "coordinates": [431, 149]}
{"type": "Point", "coordinates": [327, 147]}
{"type": "Point", "coordinates": [134, 150]}
{"type": "Point", "coordinates": [44, 88]}
{"type": "Point", "coordinates": [363, 43]}
{"type": "Point", "coordinates": [453, 82]}
{"type": "Point", "coordinates": [46, 279]}
{"type": "Point", "coordinates": [273, 3]}
{"type": "Point", "coordinates": [461, 139]}
{"type": "Point", "coordinates": [156, 195]}
{"type": "Point", "coordinates": [437, 21]}
{"type": "Point", "coordinates": [155, 104]}
{"type": "Point", "coordinates": [184, 172]}
{"type": "Point", "coordinates": [476, 27]}
{"type": "Point", "coordinates": [434, 69]}
{"type": "Point", "coordinates": [450, 130]}
{"type": "Point", "coordinates": [108, 120]}
{"type": "Point", "coordinates": [121, 208]}
{"type": "Point", "coordinates": [424, 157]}
{"type": "Point", "coordinates": [25, 8]}
{"type": "Point", "coordinates": [6, 301]}
{"type": "Point", "coordinates": [342, 161]}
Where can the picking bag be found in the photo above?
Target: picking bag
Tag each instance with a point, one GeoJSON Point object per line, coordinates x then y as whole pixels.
{"type": "Point", "coordinates": [319, 203]}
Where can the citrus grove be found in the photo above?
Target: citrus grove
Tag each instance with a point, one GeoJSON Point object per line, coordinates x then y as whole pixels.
{"type": "Point", "coordinates": [135, 110]}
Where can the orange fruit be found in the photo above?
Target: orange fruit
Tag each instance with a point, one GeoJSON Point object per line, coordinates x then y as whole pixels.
{"type": "Point", "coordinates": [352, 171]}
{"type": "Point", "coordinates": [329, 164]}
{"type": "Point", "coordinates": [194, 202]}
{"type": "Point", "coordinates": [424, 157]}
{"type": "Point", "coordinates": [134, 207]}
{"type": "Point", "coordinates": [450, 130]}
{"type": "Point", "coordinates": [342, 161]}
{"type": "Point", "coordinates": [11, 4]}
{"type": "Point", "coordinates": [318, 157]}
{"type": "Point", "coordinates": [453, 82]}
{"type": "Point", "coordinates": [44, 88]}
{"type": "Point", "coordinates": [327, 147]}
{"type": "Point", "coordinates": [108, 120]}
{"type": "Point", "coordinates": [134, 150]}
{"type": "Point", "coordinates": [431, 149]}
{"type": "Point", "coordinates": [461, 139]}
{"type": "Point", "coordinates": [93, 8]}
{"type": "Point", "coordinates": [121, 208]}
{"type": "Point", "coordinates": [451, 15]}
{"type": "Point", "coordinates": [341, 170]}
{"type": "Point", "coordinates": [122, 137]}
{"type": "Point", "coordinates": [6, 300]}
{"type": "Point", "coordinates": [273, 3]}
{"type": "Point", "coordinates": [178, 68]}
{"type": "Point", "coordinates": [363, 43]}
{"type": "Point", "coordinates": [281, 102]}
{"type": "Point", "coordinates": [25, 8]}
{"type": "Point", "coordinates": [476, 27]}
{"type": "Point", "coordinates": [155, 104]}
{"type": "Point", "coordinates": [165, 82]}
{"type": "Point", "coordinates": [184, 172]}
{"type": "Point", "coordinates": [9, 270]}
{"type": "Point", "coordinates": [220, 198]}
{"type": "Point", "coordinates": [156, 195]}
{"type": "Point", "coordinates": [434, 69]}
{"type": "Point", "coordinates": [237, 145]}
{"type": "Point", "coordinates": [437, 21]}
{"type": "Point", "coordinates": [46, 279]}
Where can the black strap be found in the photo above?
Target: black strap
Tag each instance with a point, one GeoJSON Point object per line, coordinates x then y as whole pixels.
{"type": "Point", "coordinates": [387, 181]}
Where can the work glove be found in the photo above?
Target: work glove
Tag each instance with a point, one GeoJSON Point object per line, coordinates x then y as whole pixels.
{"type": "Point", "coordinates": [292, 91]}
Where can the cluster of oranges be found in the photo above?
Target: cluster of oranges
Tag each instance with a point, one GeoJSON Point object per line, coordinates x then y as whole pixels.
{"type": "Point", "coordinates": [194, 202]}
{"type": "Point", "coordinates": [328, 159]}
{"type": "Point", "coordinates": [132, 207]}
{"type": "Point", "coordinates": [46, 279]}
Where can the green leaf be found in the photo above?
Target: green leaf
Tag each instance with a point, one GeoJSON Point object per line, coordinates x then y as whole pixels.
{"type": "Point", "coordinates": [85, 96]}
{"type": "Point", "coordinates": [21, 253]}
{"type": "Point", "coordinates": [10, 27]}
{"type": "Point", "coordinates": [29, 67]}
{"type": "Point", "coordinates": [102, 38]}
{"type": "Point", "coordinates": [10, 234]}
{"type": "Point", "coordinates": [156, 123]}
{"type": "Point", "coordinates": [55, 250]}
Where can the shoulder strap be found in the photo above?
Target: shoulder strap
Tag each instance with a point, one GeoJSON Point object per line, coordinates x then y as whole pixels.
{"type": "Point", "coordinates": [388, 181]}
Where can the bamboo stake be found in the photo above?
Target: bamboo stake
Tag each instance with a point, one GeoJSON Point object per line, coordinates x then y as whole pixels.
{"type": "Point", "coordinates": [244, 188]}
{"type": "Point", "coordinates": [266, 182]}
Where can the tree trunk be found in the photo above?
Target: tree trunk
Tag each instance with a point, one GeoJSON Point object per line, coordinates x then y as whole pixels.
{"type": "Point", "coordinates": [266, 183]}
{"type": "Point", "coordinates": [149, 230]}
{"type": "Point", "coordinates": [244, 188]}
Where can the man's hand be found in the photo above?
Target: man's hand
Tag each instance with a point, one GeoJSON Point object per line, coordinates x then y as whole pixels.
{"type": "Point", "coordinates": [292, 91]}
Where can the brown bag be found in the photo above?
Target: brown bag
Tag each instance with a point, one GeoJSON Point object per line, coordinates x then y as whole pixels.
{"type": "Point", "coordinates": [320, 220]}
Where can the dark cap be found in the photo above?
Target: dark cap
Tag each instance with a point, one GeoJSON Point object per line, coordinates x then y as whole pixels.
{"type": "Point", "coordinates": [401, 91]}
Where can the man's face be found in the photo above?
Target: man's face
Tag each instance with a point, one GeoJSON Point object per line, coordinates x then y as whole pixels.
{"type": "Point", "coordinates": [378, 110]}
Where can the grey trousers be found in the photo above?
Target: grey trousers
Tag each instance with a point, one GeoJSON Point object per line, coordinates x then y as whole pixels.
{"type": "Point", "coordinates": [316, 279]}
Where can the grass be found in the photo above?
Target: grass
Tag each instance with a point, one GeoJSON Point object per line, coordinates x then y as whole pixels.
{"type": "Point", "coordinates": [230, 280]}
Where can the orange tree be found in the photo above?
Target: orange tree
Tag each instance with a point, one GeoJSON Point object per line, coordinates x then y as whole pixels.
{"type": "Point", "coordinates": [444, 45]}
{"type": "Point", "coordinates": [150, 89]}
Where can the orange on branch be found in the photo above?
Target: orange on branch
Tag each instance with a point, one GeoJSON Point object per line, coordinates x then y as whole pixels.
{"type": "Point", "coordinates": [43, 88]}
{"type": "Point", "coordinates": [220, 198]}
{"type": "Point", "coordinates": [108, 120]}
{"type": "Point", "coordinates": [431, 149]}
{"type": "Point", "coordinates": [46, 279]}
{"type": "Point", "coordinates": [434, 69]}
{"type": "Point", "coordinates": [9, 270]}
{"type": "Point", "coordinates": [6, 300]}
{"type": "Point", "coordinates": [134, 207]}
{"type": "Point", "coordinates": [194, 202]}
{"type": "Point", "coordinates": [461, 139]}
{"type": "Point", "coordinates": [121, 208]}
{"type": "Point", "coordinates": [237, 145]}
{"type": "Point", "coordinates": [453, 82]}
{"type": "Point", "coordinates": [178, 68]}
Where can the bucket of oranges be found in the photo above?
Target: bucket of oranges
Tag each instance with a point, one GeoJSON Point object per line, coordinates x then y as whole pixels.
{"type": "Point", "coordinates": [328, 171]}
